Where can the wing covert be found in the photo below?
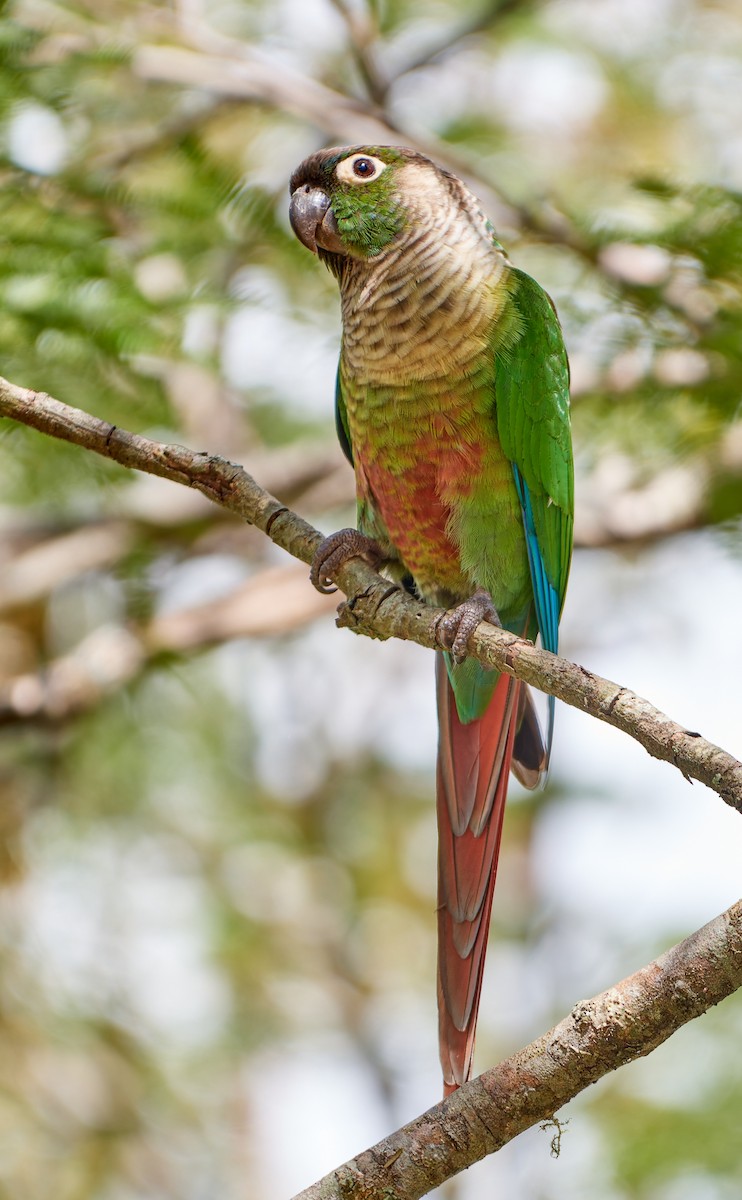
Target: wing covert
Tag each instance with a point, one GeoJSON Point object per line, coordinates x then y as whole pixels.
{"type": "Point", "coordinates": [341, 421]}
{"type": "Point", "coordinates": [532, 402]}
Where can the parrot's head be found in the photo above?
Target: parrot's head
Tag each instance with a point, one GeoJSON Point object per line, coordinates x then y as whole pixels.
{"type": "Point", "coordinates": [354, 201]}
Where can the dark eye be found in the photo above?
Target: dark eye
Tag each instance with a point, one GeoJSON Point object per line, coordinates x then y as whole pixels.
{"type": "Point", "coordinates": [363, 168]}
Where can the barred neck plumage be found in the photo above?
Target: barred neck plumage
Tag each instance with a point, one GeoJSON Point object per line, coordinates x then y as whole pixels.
{"type": "Point", "coordinates": [424, 307]}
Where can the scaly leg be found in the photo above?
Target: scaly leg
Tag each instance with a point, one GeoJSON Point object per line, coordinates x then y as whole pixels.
{"type": "Point", "coordinates": [459, 623]}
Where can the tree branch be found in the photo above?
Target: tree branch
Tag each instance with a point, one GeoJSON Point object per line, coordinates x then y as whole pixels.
{"type": "Point", "coordinates": [627, 1021]}
{"type": "Point", "coordinates": [375, 607]}
{"type": "Point", "coordinates": [620, 1025]}
{"type": "Point", "coordinates": [362, 39]}
{"type": "Point", "coordinates": [237, 71]}
{"type": "Point", "coordinates": [273, 603]}
{"type": "Point", "coordinates": [481, 23]}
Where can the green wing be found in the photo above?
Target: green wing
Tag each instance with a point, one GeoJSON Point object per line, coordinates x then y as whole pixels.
{"type": "Point", "coordinates": [341, 421]}
{"type": "Point", "coordinates": [532, 400]}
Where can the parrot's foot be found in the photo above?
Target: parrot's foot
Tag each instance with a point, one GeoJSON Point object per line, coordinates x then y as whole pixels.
{"type": "Point", "coordinates": [335, 551]}
{"type": "Point", "coordinates": [459, 623]}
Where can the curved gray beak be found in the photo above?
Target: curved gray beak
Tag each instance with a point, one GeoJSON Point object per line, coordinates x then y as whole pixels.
{"type": "Point", "coordinates": [313, 221]}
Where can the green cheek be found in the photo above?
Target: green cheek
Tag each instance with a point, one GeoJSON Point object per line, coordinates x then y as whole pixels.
{"type": "Point", "coordinates": [366, 225]}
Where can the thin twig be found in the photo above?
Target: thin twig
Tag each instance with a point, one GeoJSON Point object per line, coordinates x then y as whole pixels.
{"type": "Point", "coordinates": [362, 35]}
{"type": "Point", "coordinates": [274, 602]}
{"type": "Point", "coordinates": [255, 78]}
{"type": "Point", "coordinates": [495, 11]}
{"type": "Point", "coordinates": [159, 137]}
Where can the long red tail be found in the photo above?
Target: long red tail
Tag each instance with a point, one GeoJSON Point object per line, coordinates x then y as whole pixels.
{"type": "Point", "coordinates": [473, 768]}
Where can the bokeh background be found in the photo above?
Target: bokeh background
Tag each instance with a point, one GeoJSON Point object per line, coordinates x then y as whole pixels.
{"type": "Point", "coordinates": [218, 852]}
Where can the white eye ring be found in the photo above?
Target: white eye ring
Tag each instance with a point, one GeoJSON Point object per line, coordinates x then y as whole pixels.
{"type": "Point", "coordinates": [346, 170]}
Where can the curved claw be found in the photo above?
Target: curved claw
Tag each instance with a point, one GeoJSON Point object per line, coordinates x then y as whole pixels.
{"type": "Point", "coordinates": [326, 590]}
{"type": "Point", "coordinates": [334, 552]}
{"type": "Point", "coordinates": [319, 572]}
{"type": "Point", "coordinates": [459, 623]}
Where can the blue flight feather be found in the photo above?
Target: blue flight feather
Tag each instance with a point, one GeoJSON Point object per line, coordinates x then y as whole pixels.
{"type": "Point", "coordinates": [545, 594]}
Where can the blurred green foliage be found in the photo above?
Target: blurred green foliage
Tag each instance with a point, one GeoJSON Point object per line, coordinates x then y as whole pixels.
{"type": "Point", "coordinates": [179, 900]}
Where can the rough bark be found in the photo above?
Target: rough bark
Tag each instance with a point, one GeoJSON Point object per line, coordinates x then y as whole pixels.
{"type": "Point", "coordinates": [376, 608]}
{"type": "Point", "coordinates": [623, 1023]}
{"type": "Point", "coordinates": [599, 1035]}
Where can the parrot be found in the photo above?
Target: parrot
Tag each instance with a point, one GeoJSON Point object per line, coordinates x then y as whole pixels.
{"type": "Point", "coordinates": [452, 406]}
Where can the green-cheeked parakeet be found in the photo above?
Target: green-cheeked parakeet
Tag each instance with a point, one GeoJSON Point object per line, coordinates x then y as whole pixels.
{"type": "Point", "coordinates": [453, 407]}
